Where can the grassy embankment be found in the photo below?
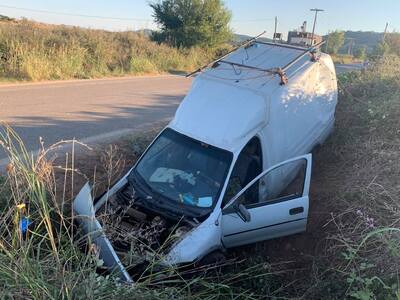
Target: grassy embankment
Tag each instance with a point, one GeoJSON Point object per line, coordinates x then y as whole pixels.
{"type": "Point", "coordinates": [351, 249]}
{"type": "Point", "coordinates": [34, 51]}
{"type": "Point", "coordinates": [345, 59]}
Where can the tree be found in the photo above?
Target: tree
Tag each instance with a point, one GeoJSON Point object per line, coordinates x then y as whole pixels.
{"type": "Point", "coordinates": [389, 45]}
{"type": "Point", "coordinates": [393, 42]}
{"type": "Point", "coordinates": [190, 23]}
{"type": "Point", "coordinates": [361, 52]}
{"type": "Point", "coordinates": [335, 41]}
{"type": "Point", "coordinates": [381, 49]}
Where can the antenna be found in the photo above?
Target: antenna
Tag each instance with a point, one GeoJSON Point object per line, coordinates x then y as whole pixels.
{"type": "Point", "coordinates": [317, 10]}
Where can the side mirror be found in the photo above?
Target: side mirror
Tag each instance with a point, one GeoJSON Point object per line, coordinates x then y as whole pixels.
{"type": "Point", "coordinates": [243, 213]}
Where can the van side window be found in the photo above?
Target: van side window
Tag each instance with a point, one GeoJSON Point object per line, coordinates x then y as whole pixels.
{"type": "Point", "coordinates": [280, 184]}
{"type": "Point", "coordinates": [247, 167]}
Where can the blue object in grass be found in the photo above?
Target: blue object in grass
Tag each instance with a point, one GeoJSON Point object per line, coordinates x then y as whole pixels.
{"type": "Point", "coordinates": [24, 224]}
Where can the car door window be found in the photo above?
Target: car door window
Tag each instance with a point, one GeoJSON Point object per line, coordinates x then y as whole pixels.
{"type": "Point", "coordinates": [247, 167]}
{"type": "Point", "coordinates": [282, 183]}
{"type": "Point", "coordinates": [274, 204]}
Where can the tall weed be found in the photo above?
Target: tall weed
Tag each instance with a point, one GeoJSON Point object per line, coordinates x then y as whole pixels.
{"type": "Point", "coordinates": [35, 51]}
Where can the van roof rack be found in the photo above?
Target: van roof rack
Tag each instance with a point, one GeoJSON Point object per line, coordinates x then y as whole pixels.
{"type": "Point", "coordinates": [281, 71]}
{"type": "Point", "coordinates": [246, 43]}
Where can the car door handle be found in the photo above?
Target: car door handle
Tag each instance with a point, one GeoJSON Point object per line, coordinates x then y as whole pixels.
{"type": "Point", "coordinates": [296, 210]}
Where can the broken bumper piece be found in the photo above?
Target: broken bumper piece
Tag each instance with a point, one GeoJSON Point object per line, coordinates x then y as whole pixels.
{"type": "Point", "coordinates": [85, 215]}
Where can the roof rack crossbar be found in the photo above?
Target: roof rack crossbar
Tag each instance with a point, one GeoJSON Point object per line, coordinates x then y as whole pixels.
{"type": "Point", "coordinates": [222, 57]}
{"type": "Point", "coordinates": [247, 66]}
{"type": "Point", "coordinates": [281, 45]}
{"type": "Point", "coordinates": [273, 71]}
{"type": "Point", "coordinates": [300, 56]}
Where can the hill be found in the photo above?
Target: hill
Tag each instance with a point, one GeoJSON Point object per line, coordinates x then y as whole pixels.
{"type": "Point", "coordinates": [6, 18]}
{"type": "Point", "coordinates": [368, 39]}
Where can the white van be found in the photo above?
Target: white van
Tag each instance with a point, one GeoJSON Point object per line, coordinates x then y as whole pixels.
{"type": "Point", "coordinates": [233, 166]}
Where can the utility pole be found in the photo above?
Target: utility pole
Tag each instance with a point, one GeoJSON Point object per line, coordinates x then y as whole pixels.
{"type": "Point", "coordinates": [350, 47]}
{"type": "Point", "coordinates": [384, 32]}
{"type": "Point", "coordinates": [276, 24]}
{"type": "Point", "coordinates": [317, 10]}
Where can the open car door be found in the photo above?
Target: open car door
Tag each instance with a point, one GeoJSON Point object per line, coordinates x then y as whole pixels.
{"type": "Point", "coordinates": [273, 204]}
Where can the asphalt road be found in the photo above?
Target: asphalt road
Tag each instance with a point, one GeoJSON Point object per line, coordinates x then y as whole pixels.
{"type": "Point", "coordinates": [343, 68]}
{"type": "Point", "coordinates": [92, 110]}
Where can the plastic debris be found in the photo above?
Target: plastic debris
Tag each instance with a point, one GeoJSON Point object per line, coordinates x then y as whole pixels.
{"type": "Point", "coordinates": [24, 224]}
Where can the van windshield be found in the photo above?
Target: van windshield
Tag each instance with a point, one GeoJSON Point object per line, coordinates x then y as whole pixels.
{"type": "Point", "coordinates": [184, 170]}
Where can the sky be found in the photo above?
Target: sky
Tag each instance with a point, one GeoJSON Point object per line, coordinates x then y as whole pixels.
{"type": "Point", "coordinates": [248, 16]}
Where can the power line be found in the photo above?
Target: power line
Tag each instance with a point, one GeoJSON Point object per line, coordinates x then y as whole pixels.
{"type": "Point", "coordinates": [71, 14]}
{"type": "Point", "coordinates": [109, 18]}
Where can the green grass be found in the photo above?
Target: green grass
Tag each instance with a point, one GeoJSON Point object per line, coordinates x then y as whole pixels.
{"type": "Point", "coordinates": [34, 51]}
{"type": "Point", "coordinates": [351, 250]}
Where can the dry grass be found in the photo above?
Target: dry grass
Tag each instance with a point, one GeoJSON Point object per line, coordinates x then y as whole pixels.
{"type": "Point", "coordinates": [34, 51]}
{"type": "Point", "coordinates": [355, 194]}
{"type": "Point", "coordinates": [345, 59]}
{"type": "Point", "coordinates": [366, 147]}
{"type": "Point", "coordinates": [48, 262]}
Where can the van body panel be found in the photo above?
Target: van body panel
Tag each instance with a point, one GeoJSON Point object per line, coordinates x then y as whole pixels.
{"type": "Point", "coordinates": [220, 115]}
{"type": "Point", "coordinates": [202, 240]}
{"type": "Point", "coordinates": [267, 222]}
